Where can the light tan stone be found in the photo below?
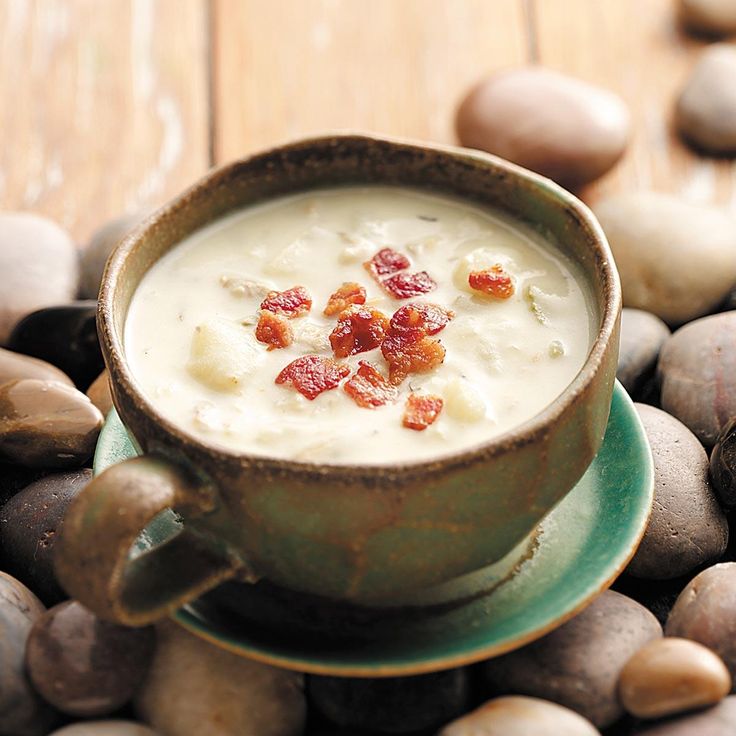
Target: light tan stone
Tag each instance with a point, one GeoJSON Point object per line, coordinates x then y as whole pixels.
{"type": "Point", "coordinates": [99, 393]}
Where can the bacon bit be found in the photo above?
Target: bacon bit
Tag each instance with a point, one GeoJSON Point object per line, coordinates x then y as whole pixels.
{"type": "Point", "coordinates": [430, 317]}
{"type": "Point", "coordinates": [410, 351]}
{"type": "Point", "coordinates": [310, 375]}
{"type": "Point", "coordinates": [294, 302]}
{"type": "Point", "coordinates": [349, 293]}
{"type": "Point", "coordinates": [385, 262]}
{"type": "Point", "coordinates": [405, 285]}
{"type": "Point", "coordinates": [493, 281]}
{"type": "Point", "coordinates": [274, 330]}
{"type": "Point", "coordinates": [421, 411]}
{"type": "Point", "coordinates": [368, 388]}
{"type": "Point", "coordinates": [358, 329]}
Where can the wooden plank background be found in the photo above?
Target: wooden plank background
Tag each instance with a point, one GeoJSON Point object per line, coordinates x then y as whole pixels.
{"type": "Point", "coordinates": [110, 107]}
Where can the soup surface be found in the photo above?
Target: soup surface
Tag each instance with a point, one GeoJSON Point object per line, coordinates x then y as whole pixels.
{"type": "Point", "coordinates": [450, 325]}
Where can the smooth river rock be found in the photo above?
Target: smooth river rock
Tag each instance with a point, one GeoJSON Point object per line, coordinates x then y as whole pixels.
{"type": "Point", "coordinates": [705, 113]}
{"type": "Point", "coordinates": [194, 688]}
{"type": "Point", "coordinates": [29, 524]}
{"type": "Point", "coordinates": [717, 721]}
{"type": "Point", "coordinates": [723, 465]}
{"type": "Point", "coordinates": [697, 373]}
{"type": "Point", "coordinates": [687, 527]}
{"type": "Point", "coordinates": [560, 126]}
{"type": "Point", "coordinates": [642, 336]}
{"type": "Point", "coordinates": [65, 336]}
{"type": "Point", "coordinates": [671, 675]}
{"type": "Point", "coordinates": [705, 611]}
{"type": "Point", "coordinates": [94, 255]}
{"type": "Point", "coordinates": [38, 263]}
{"type": "Point", "coordinates": [84, 666]}
{"type": "Point", "coordinates": [517, 715]}
{"type": "Point", "coordinates": [578, 664]}
{"type": "Point", "coordinates": [14, 478]}
{"type": "Point", "coordinates": [394, 704]}
{"type": "Point", "coordinates": [99, 393]}
{"type": "Point", "coordinates": [105, 728]}
{"type": "Point", "coordinates": [676, 259]}
{"type": "Point", "coordinates": [44, 424]}
{"type": "Point", "coordinates": [22, 711]}
{"type": "Point", "coordinates": [711, 17]}
{"type": "Point", "coordinates": [16, 365]}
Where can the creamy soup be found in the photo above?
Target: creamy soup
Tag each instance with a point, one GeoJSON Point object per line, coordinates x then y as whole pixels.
{"type": "Point", "coordinates": [447, 325]}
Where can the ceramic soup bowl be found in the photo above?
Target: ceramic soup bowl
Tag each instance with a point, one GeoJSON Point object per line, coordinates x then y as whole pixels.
{"type": "Point", "coordinates": [350, 533]}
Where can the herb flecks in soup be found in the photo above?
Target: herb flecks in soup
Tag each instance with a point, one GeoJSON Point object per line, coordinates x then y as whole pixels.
{"type": "Point", "coordinates": [362, 325]}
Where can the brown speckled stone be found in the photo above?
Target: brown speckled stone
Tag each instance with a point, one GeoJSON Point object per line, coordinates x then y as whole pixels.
{"type": "Point", "coordinates": [517, 715]}
{"type": "Point", "coordinates": [697, 371]}
{"type": "Point", "coordinates": [705, 612]}
{"type": "Point", "coordinates": [687, 527]}
{"type": "Point", "coordinates": [578, 664]}
{"type": "Point", "coordinates": [29, 523]}
{"type": "Point", "coordinates": [22, 712]}
{"type": "Point", "coordinates": [46, 424]}
{"type": "Point", "coordinates": [84, 666]}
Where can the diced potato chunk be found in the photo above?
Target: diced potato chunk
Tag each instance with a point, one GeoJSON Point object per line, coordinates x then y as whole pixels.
{"type": "Point", "coordinates": [223, 354]}
{"type": "Point", "coordinates": [243, 287]}
{"type": "Point", "coordinates": [463, 401]}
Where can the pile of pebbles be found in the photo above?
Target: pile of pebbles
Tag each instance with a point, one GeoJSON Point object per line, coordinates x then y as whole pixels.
{"type": "Point", "coordinates": [655, 655]}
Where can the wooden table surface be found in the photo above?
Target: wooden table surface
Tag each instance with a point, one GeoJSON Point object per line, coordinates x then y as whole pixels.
{"type": "Point", "coordinates": [109, 106]}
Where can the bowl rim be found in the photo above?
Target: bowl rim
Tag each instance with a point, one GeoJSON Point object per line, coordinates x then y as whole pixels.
{"type": "Point", "coordinates": [516, 437]}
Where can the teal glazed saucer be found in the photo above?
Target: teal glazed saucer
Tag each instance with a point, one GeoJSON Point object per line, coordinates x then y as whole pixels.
{"type": "Point", "coordinates": [575, 553]}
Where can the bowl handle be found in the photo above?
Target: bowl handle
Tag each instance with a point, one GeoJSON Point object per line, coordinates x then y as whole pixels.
{"type": "Point", "coordinates": [93, 557]}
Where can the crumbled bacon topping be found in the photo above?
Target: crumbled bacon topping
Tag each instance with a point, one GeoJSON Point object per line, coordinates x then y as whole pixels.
{"type": "Point", "coordinates": [368, 388]}
{"type": "Point", "coordinates": [274, 330]}
{"type": "Point", "coordinates": [430, 317]}
{"type": "Point", "coordinates": [386, 262]}
{"type": "Point", "coordinates": [358, 329]}
{"type": "Point", "coordinates": [294, 302]}
{"type": "Point", "coordinates": [421, 411]}
{"type": "Point", "coordinates": [493, 281]}
{"type": "Point", "coordinates": [407, 285]}
{"type": "Point", "coordinates": [310, 375]}
{"type": "Point", "coordinates": [410, 351]}
{"type": "Point", "coordinates": [349, 293]}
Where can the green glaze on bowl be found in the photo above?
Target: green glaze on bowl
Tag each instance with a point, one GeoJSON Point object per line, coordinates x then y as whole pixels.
{"type": "Point", "coordinates": [577, 551]}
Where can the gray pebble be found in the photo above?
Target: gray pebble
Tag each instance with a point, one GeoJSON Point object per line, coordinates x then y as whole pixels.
{"type": "Point", "coordinates": [697, 372]}
{"type": "Point", "coordinates": [572, 131]}
{"type": "Point", "coordinates": [705, 112]}
{"type": "Point", "coordinates": [578, 664]}
{"type": "Point", "coordinates": [38, 263]}
{"type": "Point", "coordinates": [705, 611]}
{"type": "Point", "coordinates": [676, 259]}
{"type": "Point", "coordinates": [642, 335]}
{"type": "Point", "coordinates": [94, 255]}
{"type": "Point", "coordinates": [687, 527]}
{"type": "Point", "coordinates": [22, 712]}
{"type": "Point", "coordinates": [194, 688]}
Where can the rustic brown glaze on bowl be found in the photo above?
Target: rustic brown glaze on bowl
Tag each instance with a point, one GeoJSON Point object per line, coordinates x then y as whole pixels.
{"type": "Point", "coordinates": [356, 533]}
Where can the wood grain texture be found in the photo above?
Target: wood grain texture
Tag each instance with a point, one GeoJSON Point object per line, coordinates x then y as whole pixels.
{"type": "Point", "coordinates": [284, 69]}
{"type": "Point", "coordinates": [636, 49]}
{"type": "Point", "coordinates": [103, 106]}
